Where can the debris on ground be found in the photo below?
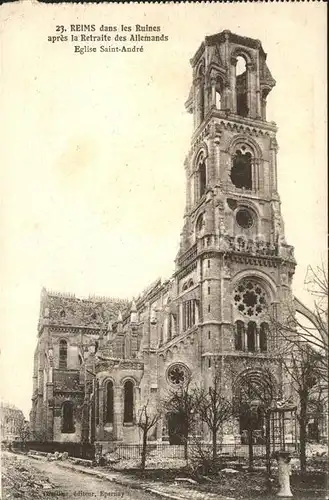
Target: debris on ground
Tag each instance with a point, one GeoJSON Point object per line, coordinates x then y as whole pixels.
{"type": "Point", "coordinates": [229, 471]}
{"type": "Point", "coordinates": [185, 480]}
{"type": "Point", "coordinates": [21, 480]}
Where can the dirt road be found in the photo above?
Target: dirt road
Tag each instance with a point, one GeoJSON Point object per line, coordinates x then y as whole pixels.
{"type": "Point", "coordinates": [70, 484]}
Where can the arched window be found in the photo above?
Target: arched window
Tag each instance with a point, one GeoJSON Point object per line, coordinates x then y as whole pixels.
{"type": "Point", "coordinates": [188, 314]}
{"type": "Point", "coordinates": [239, 335]}
{"type": "Point", "coordinates": [251, 336]}
{"type": "Point", "coordinates": [202, 177]}
{"type": "Point", "coordinates": [263, 337]}
{"type": "Point", "coordinates": [67, 417]}
{"type": "Point", "coordinates": [199, 223]}
{"type": "Point", "coordinates": [109, 403]}
{"type": "Point", "coordinates": [218, 100]}
{"type": "Point", "coordinates": [241, 87]}
{"type": "Point", "coordinates": [241, 172]}
{"type": "Point", "coordinates": [128, 402]}
{"type": "Point", "coordinates": [62, 355]}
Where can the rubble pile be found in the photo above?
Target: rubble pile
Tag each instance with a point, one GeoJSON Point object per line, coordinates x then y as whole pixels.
{"type": "Point", "coordinates": [21, 480]}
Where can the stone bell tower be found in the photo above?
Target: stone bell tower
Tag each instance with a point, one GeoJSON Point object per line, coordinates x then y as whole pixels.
{"type": "Point", "coordinates": [233, 228]}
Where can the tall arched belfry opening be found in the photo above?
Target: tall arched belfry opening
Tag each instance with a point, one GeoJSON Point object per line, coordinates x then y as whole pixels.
{"type": "Point", "coordinates": [105, 359]}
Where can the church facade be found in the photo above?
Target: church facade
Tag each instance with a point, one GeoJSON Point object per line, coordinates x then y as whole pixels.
{"type": "Point", "coordinates": [98, 361]}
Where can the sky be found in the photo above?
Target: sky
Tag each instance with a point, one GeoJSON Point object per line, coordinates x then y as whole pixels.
{"type": "Point", "coordinates": [92, 150]}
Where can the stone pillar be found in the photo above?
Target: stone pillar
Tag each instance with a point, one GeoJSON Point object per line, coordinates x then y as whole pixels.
{"type": "Point", "coordinates": [257, 333]}
{"type": "Point", "coordinates": [258, 96]}
{"type": "Point", "coordinates": [273, 165]}
{"type": "Point", "coordinates": [50, 411]}
{"type": "Point", "coordinates": [197, 316]}
{"type": "Point", "coordinates": [217, 173]}
{"type": "Point", "coordinates": [245, 340]}
{"type": "Point", "coordinates": [188, 185]}
{"type": "Point", "coordinates": [180, 318]}
{"type": "Point", "coordinates": [101, 413]}
{"type": "Point", "coordinates": [233, 84]}
{"type": "Point", "coordinates": [249, 81]}
{"type": "Point", "coordinates": [136, 402]}
{"type": "Point", "coordinates": [199, 101]}
{"type": "Point", "coordinates": [118, 413]}
{"type": "Point", "coordinates": [283, 458]}
{"type": "Point", "coordinates": [213, 92]}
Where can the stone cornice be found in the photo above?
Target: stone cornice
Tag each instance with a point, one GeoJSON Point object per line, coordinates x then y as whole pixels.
{"type": "Point", "coordinates": [75, 329]}
{"type": "Point", "coordinates": [77, 392]}
{"type": "Point", "coordinates": [255, 261]}
{"type": "Point", "coordinates": [118, 364]}
{"type": "Point", "coordinates": [241, 354]}
{"type": "Point", "coordinates": [231, 121]}
{"type": "Point", "coordinates": [187, 268]}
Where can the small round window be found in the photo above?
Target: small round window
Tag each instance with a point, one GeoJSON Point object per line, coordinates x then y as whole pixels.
{"type": "Point", "coordinates": [244, 218]}
{"type": "Point", "coordinates": [178, 374]}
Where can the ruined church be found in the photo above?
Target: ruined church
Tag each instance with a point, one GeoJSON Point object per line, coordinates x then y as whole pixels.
{"type": "Point", "coordinates": [98, 360]}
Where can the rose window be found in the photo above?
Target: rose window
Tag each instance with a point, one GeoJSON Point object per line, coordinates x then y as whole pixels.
{"type": "Point", "coordinates": [244, 218]}
{"type": "Point", "coordinates": [177, 374]}
{"type": "Point", "coordinates": [250, 298]}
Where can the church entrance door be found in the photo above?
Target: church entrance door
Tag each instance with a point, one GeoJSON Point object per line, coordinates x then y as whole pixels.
{"type": "Point", "coordinates": [176, 429]}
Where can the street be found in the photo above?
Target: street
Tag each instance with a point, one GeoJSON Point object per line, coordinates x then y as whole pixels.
{"type": "Point", "coordinates": [63, 483]}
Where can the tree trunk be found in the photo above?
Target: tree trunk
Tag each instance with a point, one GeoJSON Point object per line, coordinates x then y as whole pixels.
{"type": "Point", "coordinates": [268, 444]}
{"type": "Point", "coordinates": [214, 444]}
{"type": "Point", "coordinates": [250, 449]}
{"type": "Point", "coordinates": [303, 432]}
{"type": "Point", "coordinates": [144, 447]}
{"type": "Point", "coordinates": [186, 446]}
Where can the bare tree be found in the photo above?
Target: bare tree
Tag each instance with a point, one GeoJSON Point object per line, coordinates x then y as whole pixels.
{"type": "Point", "coordinates": [316, 281]}
{"type": "Point", "coordinates": [301, 335]}
{"type": "Point", "coordinates": [146, 421]}
{"type": "Point", "coordinates": [213, 408]}
{"type": "Point", "coordinates": [23, 430]}
{"type": "Point", "coordinates": [304, 349]}
{"type": "Point", "coordinates": [182, 402]}
{"type": "Point", "coordinates": [303, 365]}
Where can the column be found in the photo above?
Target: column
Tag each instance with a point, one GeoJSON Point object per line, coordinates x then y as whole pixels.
{"type": "Point", "coordinates": [248, 84]}
{"type": "Point", "coordinates": [180, 317]}
{"type": "Point", "coordinates": [257, 339]}
{"type": "Point", "coordinates": [101, 413]}
{"type": "Point", "coordinates": [118, 413]}
{"type": "Point", "coordinates": [273, 147]}
{"type": "Point", "coordinates": [233, 84]}
{"type": "Point", "coordinates": [196, 305]}
{"type": "Point", "coordinates": [188, 185]}
{"type": "Point", "coordinates": [258, 96]}
{"type": "Point", "coordinates": [213, 92]}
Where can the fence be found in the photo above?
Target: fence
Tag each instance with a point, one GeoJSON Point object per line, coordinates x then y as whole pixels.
{"type": "Point", "coordinates": [133, 451]}
{"type": "Point", "coordinates": [164, 450]}
{"type": "Point", "coordinates": [77, 450]}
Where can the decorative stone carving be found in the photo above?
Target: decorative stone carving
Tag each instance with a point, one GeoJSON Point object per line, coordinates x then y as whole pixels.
{"type": "Point", "coordinates": [250, 298]}
{"type": "Point", "coordinates": [227, 270]}
{"type": "Point", "coordinates": [178, 374]}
